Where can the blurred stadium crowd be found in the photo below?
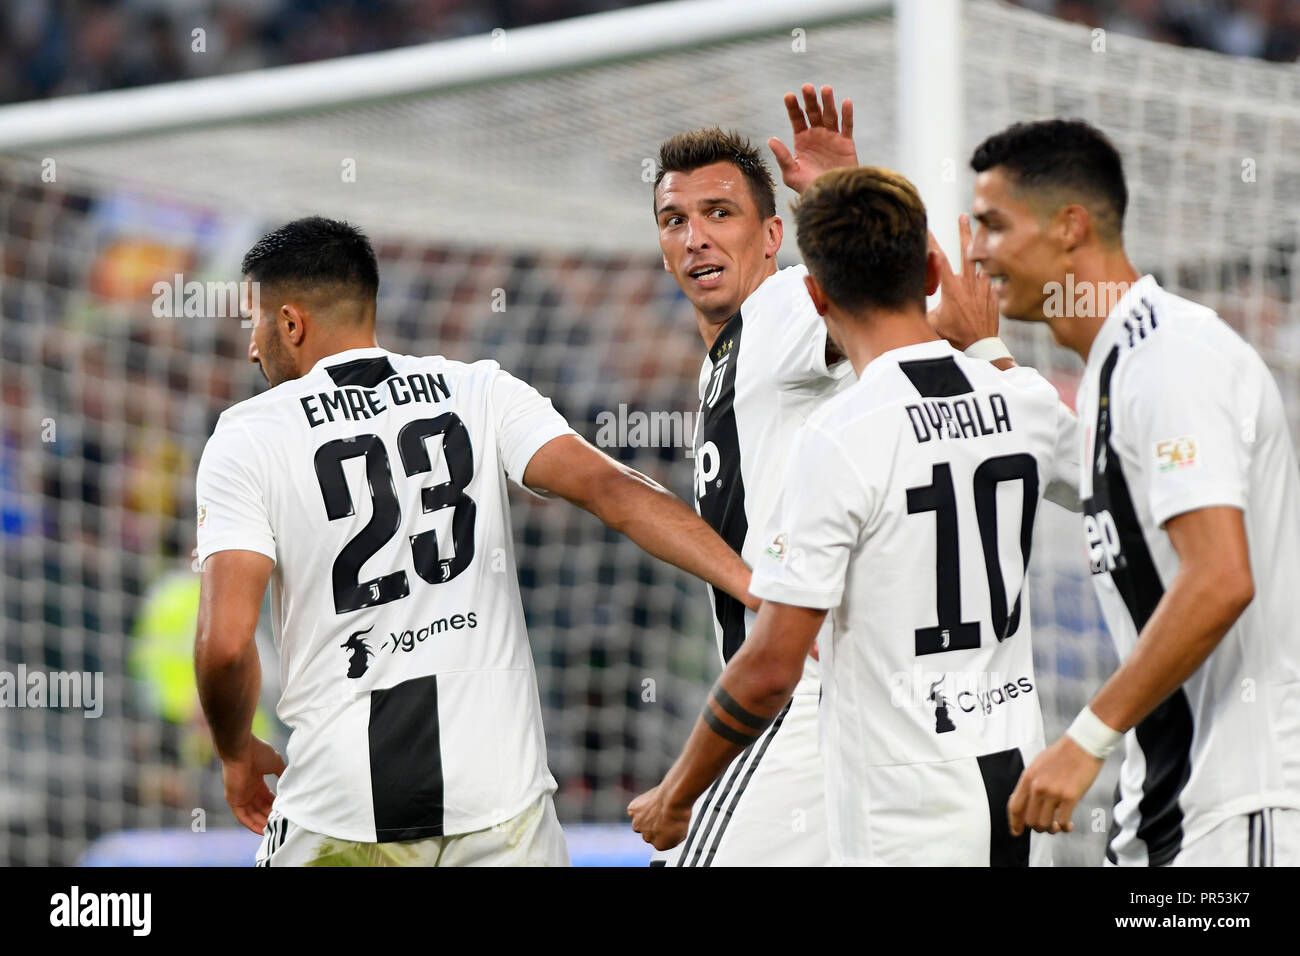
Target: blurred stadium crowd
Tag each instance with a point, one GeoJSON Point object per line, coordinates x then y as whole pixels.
{"type": "Point", "coordinates": [1269, 29]}
{"type": "Point", "coordinates": [62, 47]}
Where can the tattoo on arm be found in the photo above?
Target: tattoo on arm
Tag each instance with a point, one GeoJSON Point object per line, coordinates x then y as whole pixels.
{"type": "Point", "coordinates": [732, 708]}
{"type": "Point", "coordinates": [729, 704]}
{"type": "Point", "coordinates": [736, 737]}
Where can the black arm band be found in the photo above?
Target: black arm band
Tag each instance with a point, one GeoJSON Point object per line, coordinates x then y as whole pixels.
{"type": "Point", "coordinates": [726, 733]}
{"type": "Point", "coordinates": [728, 704]}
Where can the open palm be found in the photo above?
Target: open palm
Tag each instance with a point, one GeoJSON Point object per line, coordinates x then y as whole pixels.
{"type": "Point", "coordinates": [821, 140]}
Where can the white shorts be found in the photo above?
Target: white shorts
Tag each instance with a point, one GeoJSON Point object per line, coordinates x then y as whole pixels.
{"type": "Point", "coordinates": [530, 838]}
{"type": "Point", "coordinates": [768, 808]}
{"type": "Point", "coordinates": [1264, 838]}
{"type": "Point", "coordinates": [944, 813]}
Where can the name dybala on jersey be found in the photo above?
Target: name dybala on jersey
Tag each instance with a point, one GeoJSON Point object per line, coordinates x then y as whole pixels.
{"type": "Point", "coordinates": [1181, 414]}
{"type": "Point", "coordinates": [765, 373]}
{"type": "Point", "coordinates": [908, 511]}
{"type": "Point", "coordinates": [377, 484]}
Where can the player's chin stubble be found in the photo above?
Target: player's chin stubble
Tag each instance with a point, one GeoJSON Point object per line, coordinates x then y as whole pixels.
{"type": "Point", "coordinates": [274, 362]}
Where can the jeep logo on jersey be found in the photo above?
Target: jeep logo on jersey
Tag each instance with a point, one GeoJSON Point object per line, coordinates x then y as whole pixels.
{"type": "Point", "coordinates": [359, 652]}
{"type": "Point", "coordinates": [707, 464]}
{"type": "Point", "coordinates": [1104, 551]}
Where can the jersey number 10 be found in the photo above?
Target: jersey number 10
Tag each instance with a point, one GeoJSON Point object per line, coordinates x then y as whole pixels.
{"type": "Point", "coordinates": [952, 633]}
{"type": "Point", "coordinates": [351, 594]}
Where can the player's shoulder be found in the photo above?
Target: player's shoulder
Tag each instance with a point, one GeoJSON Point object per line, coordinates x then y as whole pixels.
{"type": "Point", "coordinates": [883, 385]}
{"type": "Point", "coordinates": [245, 432]}
{"type": "Point", "coordinates": [480, 369]}
{"type": "Point", "coordinates": [1023, 381]}
{"type": "Point", "coordinates": [261, 430]}
{"type": "Point", "coordinates": [1151, 296]}
{"type": "Point", "coordinates": [786, 279]}
{"type": "Point", "coordinates": [404, 362]}
{"type": "Point", "coordinates": [1150, 319]}
{"type": "Point", "coordinates": [777, 295]}
{"type": "Point", "coordinates": [918, 373]}
{"type": "Point", "coordinates": [866, 419]}
{"type": "Point", "coordinates": [846, 427]}
{"type": "Point", "coordinates": [256, 409]}
{"type": "Point", "coordinates": [1155, 333]}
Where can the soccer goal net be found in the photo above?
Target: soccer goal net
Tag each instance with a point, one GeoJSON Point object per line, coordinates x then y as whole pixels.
{"type": "Point", "coordinates": [505, 181]}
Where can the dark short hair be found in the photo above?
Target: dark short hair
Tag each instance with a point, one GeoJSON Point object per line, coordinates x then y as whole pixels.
{"type": "Point", "coordinates": [863, 236]}
{"type": "Point", "coordinates": [692, 150]}
{"type": "Point", "coordinates": [1070, 157]}
{"type": "Point", "coordinates": [315, 251]}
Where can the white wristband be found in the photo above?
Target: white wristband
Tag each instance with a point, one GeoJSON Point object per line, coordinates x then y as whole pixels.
{"type": "Point", "coordinates": [989, 350]}
{"type": "Point", "coordinates": [1092, 735]}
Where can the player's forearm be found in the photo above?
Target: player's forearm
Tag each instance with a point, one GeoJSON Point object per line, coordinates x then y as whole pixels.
{"type": "Point", "coordinates": [228, 690]}
{"type": "Point", "coordinates": [741, 706]}
{"type": "Point", "coordinates": [1187, 625]}
{"type": "Point", "coordinates": [748, 696]}
{"type": "Point", "coordinates": [665, 527]}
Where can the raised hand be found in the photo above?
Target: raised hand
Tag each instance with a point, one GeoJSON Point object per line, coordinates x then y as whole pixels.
{"type": "Point", "coordinates": [968, 307]}
{"type": "Point", "coordinates": [822, 140]}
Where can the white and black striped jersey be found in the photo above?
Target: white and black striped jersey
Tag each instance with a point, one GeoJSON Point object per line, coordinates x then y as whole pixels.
{"type": "Point", "coordinates": [907, 510]}
{"type": "Point", "coordinates": [764, 374]}
{"type": "Point", "coordinates": [1179, 414]}
{"type": "Point", "coordinates": [377, 484]}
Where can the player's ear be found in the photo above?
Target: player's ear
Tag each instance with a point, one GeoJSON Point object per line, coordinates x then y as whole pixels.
{"type": "Point", "coordinates": [933, 272]}
{"type": "Point", "coordinates": [1072, 225]}
{"type": "Point", "coordinates": [816, 293]}
{"type": "Point", "coordinates": [775, 233]}
{"type": "Point", "coordinates": [667, 267]}
{"type": "Point", "coordinates": [293, 323]}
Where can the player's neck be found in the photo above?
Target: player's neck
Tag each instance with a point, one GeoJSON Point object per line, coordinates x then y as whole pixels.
{"type": "Point", "coordinates": [1105, 273]}
{"type": "Point", "coordinates": [865, 338]}
{"type": "Point", "coordinates": [712, 324]}
{"type": "Point", "coordinates": [333, 345]}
